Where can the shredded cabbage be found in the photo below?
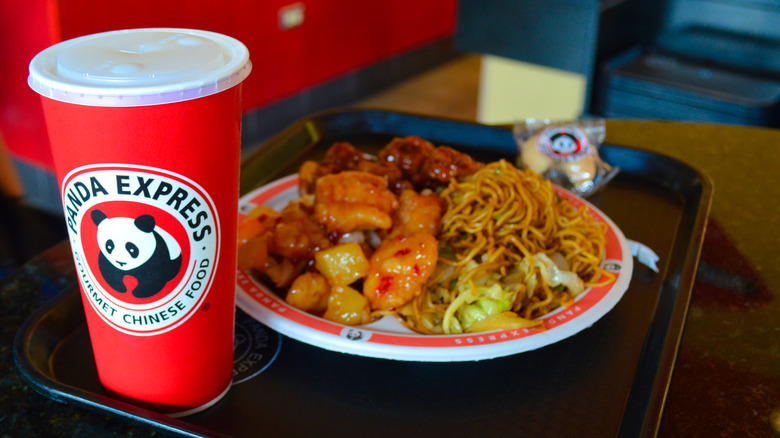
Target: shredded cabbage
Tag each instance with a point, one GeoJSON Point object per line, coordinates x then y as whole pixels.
{"type": "Point", "coordinates": [553, 275]}
{"type": "Point", "coordinates": [484, 303]}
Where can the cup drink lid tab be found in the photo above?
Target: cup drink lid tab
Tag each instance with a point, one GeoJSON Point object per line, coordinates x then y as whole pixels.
{"type": "Point", "coordinates": [139, 67]}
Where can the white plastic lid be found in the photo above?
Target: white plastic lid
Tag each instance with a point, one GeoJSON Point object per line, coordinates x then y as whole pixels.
{"type": "Point", "coordinates": [139, 67]}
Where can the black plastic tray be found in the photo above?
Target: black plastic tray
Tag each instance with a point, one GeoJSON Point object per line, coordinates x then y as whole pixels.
{"type": "Point", "coordinates": [609, 380]}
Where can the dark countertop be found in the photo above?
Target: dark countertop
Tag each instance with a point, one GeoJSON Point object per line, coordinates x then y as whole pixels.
{"type": "Point", "coordinates": [727, 376]}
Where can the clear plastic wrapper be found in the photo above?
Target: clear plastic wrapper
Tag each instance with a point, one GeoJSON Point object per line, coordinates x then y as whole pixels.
{"type": "Point", "coordinates": [565, 152]}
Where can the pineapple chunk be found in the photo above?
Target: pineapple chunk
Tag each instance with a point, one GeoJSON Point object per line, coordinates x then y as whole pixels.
{"type": "Point", "coordinates": [342, 264]}
{"type": "Point", "coordinates": [347, 306]}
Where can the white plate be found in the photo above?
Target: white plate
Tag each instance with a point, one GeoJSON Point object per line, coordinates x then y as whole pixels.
{"type": "Point", "coordinates": [387, 338]}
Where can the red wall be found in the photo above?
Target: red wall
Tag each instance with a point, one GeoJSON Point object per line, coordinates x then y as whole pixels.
{"type": "Point", "coordinates": [334, 38]}
{"type": "Point", "coordinates": [24, 31]}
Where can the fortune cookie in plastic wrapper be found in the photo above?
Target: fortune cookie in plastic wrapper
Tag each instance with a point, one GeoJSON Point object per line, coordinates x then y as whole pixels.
{"type": "Point", "coordinates": [565, 152]}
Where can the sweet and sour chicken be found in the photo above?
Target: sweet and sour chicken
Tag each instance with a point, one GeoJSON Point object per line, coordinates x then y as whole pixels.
{"type": "Point", "coordinates": [361, 239]}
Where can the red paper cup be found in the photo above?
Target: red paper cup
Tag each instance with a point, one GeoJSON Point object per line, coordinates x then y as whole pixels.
{"type": "Point", "coordinates": [145, 131]}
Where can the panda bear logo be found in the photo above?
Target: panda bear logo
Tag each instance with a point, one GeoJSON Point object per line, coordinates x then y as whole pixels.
{"type": "Point", "coordinates": [564, 144]}
{"type": "Point", "coordinates": [136, 247]}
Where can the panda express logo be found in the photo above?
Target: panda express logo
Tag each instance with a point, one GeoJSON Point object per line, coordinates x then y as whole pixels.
{"type": "Point", "coordinates": [564, 143]}
{"type": "Point", "coordinates": [145, 242]}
